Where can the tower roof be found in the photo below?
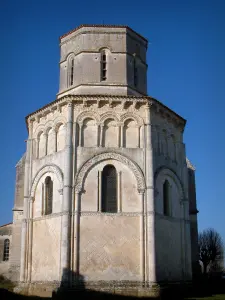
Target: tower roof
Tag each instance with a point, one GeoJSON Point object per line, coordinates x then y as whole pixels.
{"type": "Point", "coordinates": [102, 26]}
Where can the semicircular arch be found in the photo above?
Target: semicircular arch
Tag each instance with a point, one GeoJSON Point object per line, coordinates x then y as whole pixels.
{"type": "Point", "coordinates": [128, 115]}
{"type": "Point", "coordinates": [38, 131]}
{"type": "Point", "coordinates": [86, 115]}
{"type": "Point", "coordinates": [84, 169]}
{"type": "Point", "coordinates": [167, 172]}
{"type": "Point", "coordinates": [59, 120]}
{"type": "Point", "coordinates": [45, 169]}
{"type": "Point", "coordinates": [108, 115]}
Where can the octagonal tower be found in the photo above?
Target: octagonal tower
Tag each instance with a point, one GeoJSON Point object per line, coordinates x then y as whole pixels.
{"type": "Point", "coordinates": [103, 60]}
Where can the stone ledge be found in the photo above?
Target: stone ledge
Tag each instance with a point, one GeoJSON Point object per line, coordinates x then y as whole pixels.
{"type": "Point", "coordinates": [123, 288]}
{"type": "Point", "coordinates": [49, 289]}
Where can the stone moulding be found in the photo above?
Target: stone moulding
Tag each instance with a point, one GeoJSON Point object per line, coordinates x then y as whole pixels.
{"type": "Point", "coordinates": [61, 101]}
{"type": "Point", "coordinates": [54, 288]}
{"type": "Point", "coordinates": [169, 172]}
{"type": "Point", "coordinates": [118, 214]}
{"type": "Point", "coordinates": [82, 172]}
{"type": "Point", "coordinates": [47, 168]}
{"type": "Point", "coordinates": [100, 119]}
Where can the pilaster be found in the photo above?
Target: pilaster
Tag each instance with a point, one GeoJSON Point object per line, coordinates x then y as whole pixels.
{"type": "Point", "coordinates": [99, 191]}
{"type": "Point", "coordinates": [67, 197]}
{"type": "Point", "coordinates": [27, 183]}
{"type": "Point", "coordinates": [76, 266]}
{"type": "Point", "coordinates": [150, 201]}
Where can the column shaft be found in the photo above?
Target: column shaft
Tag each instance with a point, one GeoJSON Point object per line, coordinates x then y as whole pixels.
{"type": "Point", "coordinates": [101, 135]}
{"type": "Point", "coordinates": [80, 135]}
{"type": "Point", "coordinates": [99, 191]}
{"type": "Point", "coordinates": [121, 136]}
{"type": "Point", "coordinates": [55, 140]}
{"type": "Point", "coordinates": [30, 238]}
{"type": "Point", "coordinates": [67, 197]}
{"type": "Point", "coordinates": [77, 234]}
{"type": "Point", "coordinates": [142, 239]}
{"type": "Point", "coordinates": [119, 191]}
{"type": "Point", "coordinates": [23, 260]}
{"type": "Point", "coordinates": [139, 137]}
{"type": "Point", "coordinates": [150, 200]}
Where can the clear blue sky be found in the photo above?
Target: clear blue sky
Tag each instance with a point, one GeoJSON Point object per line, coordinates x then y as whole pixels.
{"type": "Point", "coordinates": [186, 58]}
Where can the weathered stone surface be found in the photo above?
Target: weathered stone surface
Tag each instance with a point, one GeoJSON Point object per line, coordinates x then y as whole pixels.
{"type": "Point", "coordinates": [95, 123]}
{"type": "Point", "coordinates": [5, 234]}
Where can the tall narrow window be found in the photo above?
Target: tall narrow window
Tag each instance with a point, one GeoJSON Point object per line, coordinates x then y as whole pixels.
{"type": "Point", "coordinates": [166, 198]}
{"type": "Point", "coordinates": [109, 189]}
{"type": "Point", "coordinates": [103, 66]}
{"type": "Point", "coordinates": [71, 76]}
{"type": "Point", "coordinates": [48, 195]}
{"type": "Point", "coordinates": [135, 73]}
{"type": "Point", "coordinates": [6, 250]}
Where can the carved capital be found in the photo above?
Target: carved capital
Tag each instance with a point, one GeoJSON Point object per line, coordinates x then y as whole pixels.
{"type": "Point", "coordinates": [141, 191]}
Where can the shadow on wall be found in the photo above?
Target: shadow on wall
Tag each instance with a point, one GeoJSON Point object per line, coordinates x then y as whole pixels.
{"type": "Point", "coordinates": [77, 290]}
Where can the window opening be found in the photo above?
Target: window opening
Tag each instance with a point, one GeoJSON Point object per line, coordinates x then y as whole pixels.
{"type": "Point", "coordinates": [166, 198]}
{"type": "Point", "coordinates": [6, 250]}
{"type": "Point", "coordinates": [103, 66]}
{"type": "Point", "coordinates": [48, 195]}
{"type": "Point", "coordinates": [109, 189]}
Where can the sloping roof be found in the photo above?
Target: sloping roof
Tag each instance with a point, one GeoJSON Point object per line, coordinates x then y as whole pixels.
{"type": "Point", "coordinates": [6, 224]}
{"type": "Point", "coordinates": [102, 26]}
{"type": "Point", "coordinates": [102, 96]}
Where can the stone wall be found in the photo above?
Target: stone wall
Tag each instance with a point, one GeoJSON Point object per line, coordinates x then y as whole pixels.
{"type": "Point", "coordinates": [104, 247]}
{"type": "Point", "coordinates": [46, 249]}
{"type": "Point", "coordinates": [5, 233]}
{"type": "Point", "coordinates": [19, 186]}
{"type": "Point", "coordinates": [84, 47]}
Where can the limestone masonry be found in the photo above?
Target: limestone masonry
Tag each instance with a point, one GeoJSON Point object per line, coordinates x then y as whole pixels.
{"type": "Point", "coordinates": [104, 193]}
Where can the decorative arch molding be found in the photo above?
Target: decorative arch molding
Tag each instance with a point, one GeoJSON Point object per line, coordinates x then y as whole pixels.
{"type": "Point", "coordinates": [45, 169]}
{"type": "Point", "coordinates": [82, 172]}
{"type": "Point", "coordinates": [38, 131]}
{"type": "Point", "coordinates": [87, 114]}
{"type": "Point", "coordinates": [107, 48]}
{"type": "Point", "coordinates": [172, 174]}
{"type": "Point", "coordinates": [48, 124]}
{"type": "Point", "coordinates": [70, 55]}
{"type": "Point", "coordinates": [109, 115]}
{"type": "Point", "coordinates": [48, 128]}
{"type": "Point", "coordinates": [59, 120]}
{"type": "Point", "coordinates": [132, 116]}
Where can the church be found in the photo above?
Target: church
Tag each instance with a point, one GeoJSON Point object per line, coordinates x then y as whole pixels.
{"type": "Point", "coordinates": [104, 193]}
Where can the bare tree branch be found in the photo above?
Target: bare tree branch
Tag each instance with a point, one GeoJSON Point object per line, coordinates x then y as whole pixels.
{"type": "Point", "coordinates": [211, 248]}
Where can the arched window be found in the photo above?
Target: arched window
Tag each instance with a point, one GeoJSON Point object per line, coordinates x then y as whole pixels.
{"type": "Point", "coordinates": [103, 66]}
{"type": "Point", "coordinates": [6, 250]}
{"type": "Point", "coordinates": [166, 198]}
{"type": "Point", "coordinates": [109, 189]}
{"type": "Point", "coordinates": [71, 72]}
{"type": "Point", "coordinates": [48, 195]}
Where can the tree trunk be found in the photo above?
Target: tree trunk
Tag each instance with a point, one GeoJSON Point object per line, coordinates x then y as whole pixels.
{"type": "Point", "coordinates": [205, 269]}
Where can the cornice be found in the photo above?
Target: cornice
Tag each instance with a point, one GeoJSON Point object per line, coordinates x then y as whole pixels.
{"type": "Point", "coordinates": [6, 224]}
{"type": "Point", "coordinates": [102, 26]}
{"type": "Point", "coordinates": [153, 104]}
